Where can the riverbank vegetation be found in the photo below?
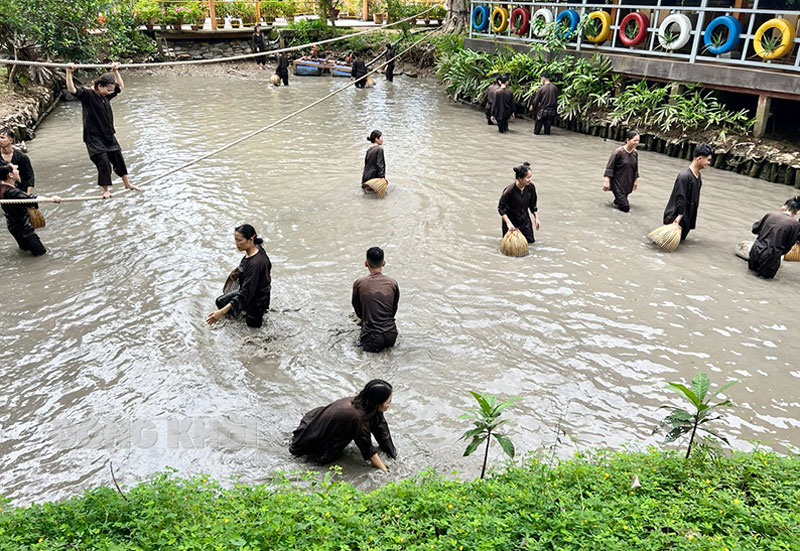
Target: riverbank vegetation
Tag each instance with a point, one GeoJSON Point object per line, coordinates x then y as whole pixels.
{"type": "Point", "coordinates": [589, 89]}
{"type": "Point", "coordinates": [646, 501]}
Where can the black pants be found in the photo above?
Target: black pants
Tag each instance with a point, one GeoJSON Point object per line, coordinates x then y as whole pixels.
{"type": "Point", "coordinates": [254, 314]}
{"type": "Point", "coordinates": [375, 342]}
{"type": "Point", "coordinates": [25, 236]}
{"type": "Point", "coordinates": [262, 59]}
{"type": "Point", "coordinates": [763, 262]}
{"type": "Point", "coordinates": [545, 122]}
{"type": "Point", "coordinates": [489, 114]}
{"type": "Point", "coordinates": [390, 72]}
{"type": "Point", "coordinates": [284, 77]}
{"type": "Point", "coordinates": [620, 198]}
{"type": "Point", "coordinates": [104, 161]}
{"type": "Point", "coordinates": [361, 82]}
{"type": "Point", "coordinates": [502, 125]}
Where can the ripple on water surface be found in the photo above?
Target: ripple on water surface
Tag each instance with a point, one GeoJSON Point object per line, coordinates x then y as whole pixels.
{"type": "Point", "coordinates": [105, 355]}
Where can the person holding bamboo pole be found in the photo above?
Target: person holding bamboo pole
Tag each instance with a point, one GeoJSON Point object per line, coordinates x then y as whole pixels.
{"type": "Point", "coordinates": [98, 126]}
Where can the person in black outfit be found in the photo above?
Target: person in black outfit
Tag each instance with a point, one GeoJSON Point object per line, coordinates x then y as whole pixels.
{"type": "Point", "coordinates": [375, 299]}
{"type": "Point", "coordinates": [503, 106]}
{"type": "Point", "coordinates": [515, 202]}
{"type": "Point", "coordinates": [254, 279]}
{"type": "Point", "coordinates": [282, 70]}
{"type": "Point", "coordinates": [390, 65]}
{"type": "Point", "coordinates": [98, 126]}
{"type": "Point", "coordinates": [685, 198]}
{"type": "Point", "coordinates": [374, 162]}
{"type": "Point", "coordinates": [622, 171]}
{"type": "Point", "coordinates": [258, 46]}
{"type": "Point", "coordinates": [777, 233]}
{"type": "Point", "coordinates": [17, 219]}
{"type": "Point", "coordinates": [544, 106]}
{"type": "Point", "coordinates": [326, 431]}
{"type": "Point", "coordinates": [358, 71]}
{"type": "Point", "coordinates": [9, 155]}
{"type": "Point", "coordinates": [491, 91]}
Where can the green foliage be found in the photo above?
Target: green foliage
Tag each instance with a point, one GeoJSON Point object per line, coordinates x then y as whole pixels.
{"type": "Point", "coordinates": [681, 422]}
{"type": "Point", "coordinates": [308, 30]}
{"type": "Point", "coordinates": [486, 420]}
{"type": "Point", "coordinates": [746, 502]}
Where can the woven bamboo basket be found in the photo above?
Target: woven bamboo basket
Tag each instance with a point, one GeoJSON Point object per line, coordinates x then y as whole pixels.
{"type": "Point", "coordinates": [376, 185]}
{"type": "Point", "coordinates": [514, 244]}
{"type": "Point", "coordinates": [369, 83]}
{"type": "Point", "coordinates": [37, 218]}
{"type": "Point", "coordinates": [666, 237]}
{"type": "Point", "coordinates": [743, 249]}
{"type": "Point", "coordinates": [275, 80]}
{"type": "Point", "coordinates": [794, 254]}
{"type": "Point", "coordinates": [232, 283]}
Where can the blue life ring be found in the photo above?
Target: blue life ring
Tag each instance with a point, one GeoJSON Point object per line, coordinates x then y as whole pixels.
{"type": "Point", "coordinates": [734, 32]}
{"type": "Point", "coordinates": [573, 17]}
{"type": "Point", "coordinates": [483, 11]}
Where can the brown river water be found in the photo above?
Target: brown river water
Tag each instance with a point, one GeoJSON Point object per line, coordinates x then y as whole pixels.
{"type": "Point", "coordinates": [105, 356]}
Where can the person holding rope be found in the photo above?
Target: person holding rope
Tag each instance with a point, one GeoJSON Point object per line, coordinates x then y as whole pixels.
{"type": "Point", "coordinates": [18, 220]}
{"type": "Point", "coordinates": [98, 126]}
{"type": "Point", "coordinates": [11, 156]}
{"type": "Point", "coordinates": [254, 279]}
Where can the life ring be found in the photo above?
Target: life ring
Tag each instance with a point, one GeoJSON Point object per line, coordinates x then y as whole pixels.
{"type": "Point", "coordinates": [787, 38]}
{"type": "Point", "coordinates": [734, 32]}
{"type": "Point", "coordinates": [605, 30]}
{"type": "Point", "coordinates": [573, 17]}
{"type": "Point", "coordinates": [685, 31]}
{"type": "Point", "coordinates": [503, 24]}
{"type": "Point", "coordinates": [544, 14]}
{"type": "Point", "coordinates": [480, 18]}
{"type": "Point", "coordinates": [643, 22]}
{"type": "Point", "coordinates": [525, 21]}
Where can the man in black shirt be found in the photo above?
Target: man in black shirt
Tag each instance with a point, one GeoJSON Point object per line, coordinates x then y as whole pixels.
{"type": "Point", "coordinates": [98, 126]}
{"type": "Point", "coordinates": [258, 46]}
{"type": "Point", "coordinates": [685, 198]}
{"type": "Point", "coordinates": [503, 106]}
{"type": "Point", "coordinates": [544, 106]}
{"type": "Point", "coordinates": [18, 220]}
{"type": "Point", "coordinates": [358, 71]}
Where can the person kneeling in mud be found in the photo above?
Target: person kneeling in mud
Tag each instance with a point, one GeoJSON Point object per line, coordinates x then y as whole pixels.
{"type": "Point", "coordinates": [253, 278]}
{"type": "Point", "coordinates": [777, 233]}
{"type": "Point", "coordinates": [326, 431]}
{"type": "Point", "coordinates": [375, 299]}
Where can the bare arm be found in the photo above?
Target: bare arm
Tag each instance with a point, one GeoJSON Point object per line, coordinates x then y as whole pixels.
{"type": "Point", "coordinates": [117, 76]}
{"type": "Point", "coordinates": [377, 463]}
{"type": "Point", "coordinates": [70, 84]}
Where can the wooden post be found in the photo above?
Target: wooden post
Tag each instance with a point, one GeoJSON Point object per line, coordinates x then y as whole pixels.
{"type": "Point", "coordinates": [365, 10]}
{"type": "Point", "coordinates": [737, 4]}
{"type": "Point", "coordinates": [212, 15]}
{"type": "Point", "coordinates": [762, 115]}
{"type": "Point", "coordinates": [258, 11]}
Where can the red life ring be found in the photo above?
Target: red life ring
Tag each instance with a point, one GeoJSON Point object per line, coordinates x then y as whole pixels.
{"type": "Point", "coordinates": [643, 23]}
{"type": "Point", "coordinates": [526, 21]}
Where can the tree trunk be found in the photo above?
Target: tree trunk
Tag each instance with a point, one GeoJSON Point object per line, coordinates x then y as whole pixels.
{"type": "Point", "coordinates": [458, 15]}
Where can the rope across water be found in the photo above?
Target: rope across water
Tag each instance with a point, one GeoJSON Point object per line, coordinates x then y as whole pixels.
{"type": "Point", "coordinates": [216, 151]}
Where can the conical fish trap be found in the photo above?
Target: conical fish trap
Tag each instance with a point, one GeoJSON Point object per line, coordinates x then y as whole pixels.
{"type": "Point", "coordinates": [369, 83]}
{"type": "Point", "coordinates": [377, 185]}
{"type": "Point", "coordinates": [794, 254]}
{"type": "Point", "coordinates": [275, 80]}
{"type": "Point", "coordinates": [37, 218]}
{"type": "Point", "coordinates": [514, 244]}
{"type": "Point", "coordinates": [232, 283]}
{"type": "Point", "coordinates": [666, 237]}
{"type": "Point", "coordinates": [743, 249]}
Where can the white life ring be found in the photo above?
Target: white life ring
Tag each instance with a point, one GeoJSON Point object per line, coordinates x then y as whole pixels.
{"type": "Point", "coordinates": [541, 13]}
{"type": "Point", "coordinates": [685, 26]}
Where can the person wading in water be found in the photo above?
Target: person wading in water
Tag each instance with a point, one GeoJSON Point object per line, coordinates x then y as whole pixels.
{"type": "Point", "coordinates": [375, 299]}
{"type": "Point", "coordinates": [622, 171]}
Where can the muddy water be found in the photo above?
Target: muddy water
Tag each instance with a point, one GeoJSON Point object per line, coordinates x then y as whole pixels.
{"type": "Point", "coordinates": [105, 356]}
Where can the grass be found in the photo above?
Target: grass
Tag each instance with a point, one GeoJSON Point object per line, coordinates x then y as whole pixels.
{"type": "Point", "coordinates": [749, 501]}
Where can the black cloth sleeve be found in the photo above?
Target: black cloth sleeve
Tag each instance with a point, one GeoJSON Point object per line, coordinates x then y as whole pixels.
{"type": "Point", "coordinates": [757, 226]}
{"type": "Point", "coordinates": [356, 301]}
{"type": "Point", "coordinates": [247, 289]}
{"type": "Point", "coordinates": [681, 189]}
{"type": "Point", "coordinates": [380, 429]}
{"type": "Point", "coordinates": [396, 299]}
{"type": "Point", "coordinates": [533, 202]}
{"type": "Point", "coordinates": [115, 93]}
{"type": "Point", "coordinates": [363, 439]}
{"type": "Point", "coordinates": [80, 93]}
{"type": "Point", "coordinates": [381, 164]}
{"type": "Point", "coordinates": [26, 172]}
{"type": "Point", "coordinates": [611, 166]}
{"type": "Point", "coordinates": [636, 166]}
{"type": "Point", "coordinates": [502, 205]}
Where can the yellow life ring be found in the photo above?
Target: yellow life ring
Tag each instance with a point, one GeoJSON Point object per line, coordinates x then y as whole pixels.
{"type": "Point", "coordinates": [605, 31]}
{"type": "Point", "coordinates": [503, 13]}
{"type": "Point", "coordinates": [787, 38]}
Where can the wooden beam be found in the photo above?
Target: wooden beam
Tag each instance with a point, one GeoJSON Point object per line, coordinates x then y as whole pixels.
{"type": "Point", "coordinates": [212, 15]}
{"type": "Point", "coordinates": [258, 11]}
{"type": "Point", "coordinates": [736, 14]}
{"type": "Point", "coordinates": [762, 115]}
{"type": "Point", "coordinates": [365, 11]}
